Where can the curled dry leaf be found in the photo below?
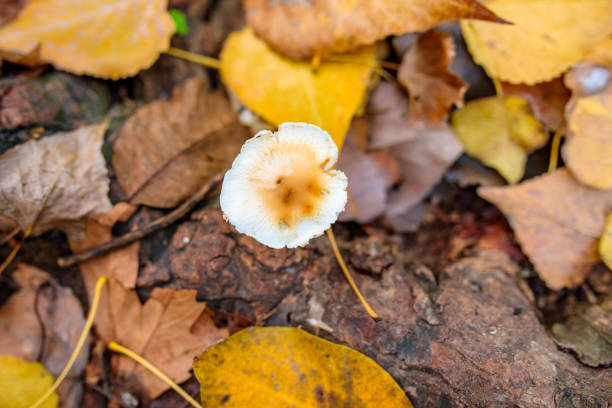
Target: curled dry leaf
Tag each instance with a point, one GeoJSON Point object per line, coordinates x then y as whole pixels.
{"type": "Point", "coordinates": [547, 100]}
{"type": "Point", "coordinates": [289, 91]}
{"type": "Point", "coordinates": [557, 221]}
{"type": "Point", "coordinates": [546, 37]}
{"type": "Point", "coordinates": [588, 149]}
{"type": "Point", "coordinates": [424, 71]}
{"type": "Point", "coordinates": [285, 366]}
{"type": "Point", "coordinates": [160, 330]}
{"type": "Point", "coordinates": [500, 133]}
{"type": "Point", "coordinates": [62, 318]}
{"type": "Point", "coordinates": [301, 29]}
{"type": "Point", "coordinates": [116, 38]}
{"type": "Point", "coordinates": [167, 149]}
{"type": "Point", "coordinates": [22, 383]}
{"type": "Point", "coordinates": [67, 169]}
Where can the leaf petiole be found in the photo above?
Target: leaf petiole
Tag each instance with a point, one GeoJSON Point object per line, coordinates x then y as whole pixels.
{"type": "Point", "coordinates": [193, 57]}
{"type": "Point", "coordinates": [156, 371]}
{"type": "Point", "coordinates": [90, 318]}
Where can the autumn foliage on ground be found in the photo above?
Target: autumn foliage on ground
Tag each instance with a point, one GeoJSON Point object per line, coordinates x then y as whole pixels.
{"type": "Point", "coordinates": [477, 140]}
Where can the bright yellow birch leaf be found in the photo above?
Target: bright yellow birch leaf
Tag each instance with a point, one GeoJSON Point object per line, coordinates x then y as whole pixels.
{"type": "Point", "coordinates": [605, 242]}
{"type": "Point", "coordinates": [104, 38]}
{"type": "Point", "coordinates": [22, 383]}
{"type": "Point", "coordinates": [588, 149]}
{"type": "Point", "coordinates": [276, 367]}
{"type": "Point", "coordinates": [546, 37]}
{"type": "Point", "coordinates": [500, 133]}
{"type": "Point", "coordinates": [281, 90]}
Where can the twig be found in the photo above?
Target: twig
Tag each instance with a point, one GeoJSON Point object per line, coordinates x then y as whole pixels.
{"type": "Point", "coordinates": [138, 234]}
{"type": "Point", "coordinates": [554, 151]}
{"type": "Point", "coordinates": [193, 57]}
{"type": "Point", "coordinates": [332, 241]}
{"type": "Point", "coordinates": [107, 394]}
{"type": "Point", "coordinates": [10, 236]}
{"type": "Point", "coordinates": [156, 371]}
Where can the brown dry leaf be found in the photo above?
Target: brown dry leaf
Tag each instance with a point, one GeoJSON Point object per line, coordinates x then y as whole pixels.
{"type": "Point", "coordinates": [557, 221]}
{"type": "Point", "coordinates": [371, 174]}
{"type": "Point", "coordinates": [547, 100]}
{"type": "Point", "coordinates": [63, 320]}
{"type": "Point", "coordinates": [424, 71]}
{"type": "Point", "coordinates": [303, 28]}
{"type": "Point", "coordinates": [160, 331]}
{"type": "Point", "coordinates": [121, 264]}
{"type": "Point", "coordinates": [105, 38]}
{"type": "Point", "coordinates": [423, 152]}
{"type": "Point", "coordinates": [9, 9]}
{"type": "Point", "coordinates": [168, 149]}
{"type": "Point", "coordinates": [588, 149]}
{"type": "Point", "coordinates": [68, 168]}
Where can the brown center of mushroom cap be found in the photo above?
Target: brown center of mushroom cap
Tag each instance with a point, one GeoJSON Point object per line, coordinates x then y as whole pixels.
{"type": "Point", "coordinates": [296, 188]}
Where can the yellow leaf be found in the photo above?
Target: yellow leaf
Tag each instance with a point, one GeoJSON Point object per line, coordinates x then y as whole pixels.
{"type": "Point", "coordinates": [500, 133]}
{"type": "Point", "coordinates": [282, 366]}
{"type": "Point", "coordinates": [588, 150]}
{"type": "Point", "coordinates": [22, 383]}
{"type": "Point", "coordinates": [281, 90]}
{"type": "Point", "coordinates": [104, 38]}
{"type": "Point", "coordinates": [546, 37]}
{"type": "Point", "coordinates": [605, 242]}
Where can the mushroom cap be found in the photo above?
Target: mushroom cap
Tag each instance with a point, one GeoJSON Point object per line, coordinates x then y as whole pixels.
{"type": "Point", "coordinates": [281, 189]}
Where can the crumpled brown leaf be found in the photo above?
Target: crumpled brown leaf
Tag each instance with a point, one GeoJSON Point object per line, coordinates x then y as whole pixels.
{"type": "Point", "coordinates": [547, 99]}
{"type": "Point", "coordinates": [168, 149]}
{"type": "Point", "coordinates": [62, 317]}
{"type": "Point", "coordinates": [68, 169]}
{"type": "Point", "coordinates": [423, 152]}
{"type": "Point", "coordinates": [424, 71]}
{"type": "Point", "coordinates": [303, 28]}
{"type": "Point", "coordinates": [588, 149]}
{"type": "Point", "coordinates": [557, 221]}
{"type": "Point", "coordinates": [160, 330]}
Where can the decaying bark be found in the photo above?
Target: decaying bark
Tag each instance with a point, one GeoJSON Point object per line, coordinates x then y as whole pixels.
{"type": "Point", "coordinates": [464, 335]}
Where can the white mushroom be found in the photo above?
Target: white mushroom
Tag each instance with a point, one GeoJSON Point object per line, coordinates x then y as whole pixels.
{"type": "Point", "coordinates": [281, 189]}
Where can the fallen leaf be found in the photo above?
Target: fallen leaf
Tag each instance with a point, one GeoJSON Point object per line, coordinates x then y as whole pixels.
{"type": "Point", "coordinates": [547, 100]}
{"type": "Point", "coordinates": [10, 9]}
{"type": "Point", "coordinates": [371, 175]}
{"type": "Point", "coordinates": [588, 333]}
{"type": "Point", "coordinates": [121, 264]}
{"type": "Point", "coordinates": [160, 331]}
{"type": "Point", "coordinates": [557, 221]}
{"type": "Point", "coordinates": [424, 71]}
{"type": "Point", "coordinates": [544, 39]}
{"type": "Point", "coordinates": [588, 149]}
{"type": "Point", "coordinates": [601, 53]}
{"type": "Point", "coordinates": [605, 242]}
{"type": "Point", "coordinates": [105, 38]}
{"type": "Point", "coordinates": [500, 133]}
{"type": "Point", "coordinates": [167, 149]}
{"type": "Point", "coordinates": [22, 383]}
{"type": "Point", "coordinates": [281, 90]}
{"type": "Point", "coordinates": [68, 169]}
{"type": "Point", "coordinates": [285, 366]}
{"type": "Point", "coordinates": [62, 319]}
{"type": "Point", "coordinates": [423, 152]}
{"type": "Point", "coordinates": [303, 28]}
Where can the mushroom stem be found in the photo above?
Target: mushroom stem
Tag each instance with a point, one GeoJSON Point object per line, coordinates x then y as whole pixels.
{"type": "Point", "coordinates": [332, 241]}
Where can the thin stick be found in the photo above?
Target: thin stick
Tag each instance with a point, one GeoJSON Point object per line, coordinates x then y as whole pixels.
{"type": "Point", "coordinates": [10, 236]}
{"type": "Point", "coordinates": [332, 241]}
{"type": "Point", "coordinates": [106, 394]}
{"type": "Point", "coordinates": [554, 151]}
{"type": "Point", "coordinates": [84, 333]}
{"type": "Point", "coordinates": [193, 57]}
{"type": "Point", "coordinates": [156, 371]}
{"type": "Point", "coordinates": [138, 234]}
